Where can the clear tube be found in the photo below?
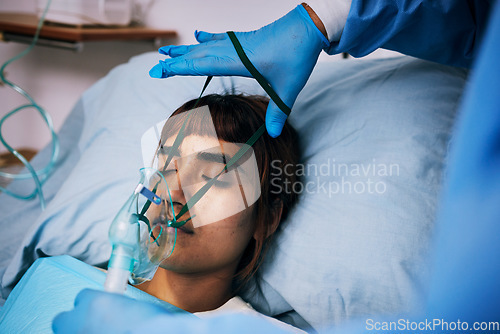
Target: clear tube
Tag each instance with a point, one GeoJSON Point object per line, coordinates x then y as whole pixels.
{"type": "Point", "coordinates": [139, 234]}
{"type": "Point", "coordinates": [40, 176]}
{"type": "Point", "coordinates": [124, 236]}
{"type": "Point", "coordinates": [116, 280]}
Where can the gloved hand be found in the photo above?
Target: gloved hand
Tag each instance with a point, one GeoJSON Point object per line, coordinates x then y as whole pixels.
{"type": "Point", "coordinates": [284, 52]}
{"type": "Point", "coordinates": [102, 312]}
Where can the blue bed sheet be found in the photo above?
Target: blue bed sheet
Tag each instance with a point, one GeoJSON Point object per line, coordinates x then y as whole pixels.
{"type": "Point", "coordinates": [50, 287]}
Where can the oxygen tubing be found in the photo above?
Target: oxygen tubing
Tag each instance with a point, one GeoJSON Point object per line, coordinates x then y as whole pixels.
{"type": "Point", "coordinates": [40, 176]}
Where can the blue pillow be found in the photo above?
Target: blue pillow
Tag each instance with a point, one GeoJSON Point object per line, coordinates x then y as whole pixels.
{"type": "Point", "coordinates": [374, 139]}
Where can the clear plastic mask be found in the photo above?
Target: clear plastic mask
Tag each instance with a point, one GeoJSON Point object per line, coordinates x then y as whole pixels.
{"type": "Point", "coordinates": [155, 239]}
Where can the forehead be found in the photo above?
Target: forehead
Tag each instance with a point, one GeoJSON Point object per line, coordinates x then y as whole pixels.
{"type": "Point", "coordinates": [195, 143]}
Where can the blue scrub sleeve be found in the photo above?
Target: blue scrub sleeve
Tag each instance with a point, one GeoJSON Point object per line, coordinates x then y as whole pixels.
{"type": "Point", "coordinates": [445, 31]}
{"type": "Point", "coordinates": [467, 268]}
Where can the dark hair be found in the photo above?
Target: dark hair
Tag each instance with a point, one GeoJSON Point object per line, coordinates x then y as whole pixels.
{"type": "Point", "coordinates": [236, 118]}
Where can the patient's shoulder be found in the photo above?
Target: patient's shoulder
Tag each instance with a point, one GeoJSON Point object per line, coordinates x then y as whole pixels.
{"type": "Point", "coordinates": [238, 305]}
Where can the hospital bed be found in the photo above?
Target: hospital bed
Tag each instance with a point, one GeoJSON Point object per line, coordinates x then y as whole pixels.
{"type": "Point", "coordinates": [374, 140]}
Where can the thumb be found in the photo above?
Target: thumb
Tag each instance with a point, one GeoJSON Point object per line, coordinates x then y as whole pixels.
{"type": "Point", "coordinates": [202, 36]}
{"type": "Point", "coordinates": [275, 119]}
{"type": "Point", "coordinates": [64, 321]}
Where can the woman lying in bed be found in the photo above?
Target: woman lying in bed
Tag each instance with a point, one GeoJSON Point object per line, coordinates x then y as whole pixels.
{"type": "Point", "coordinates": [214, 258]}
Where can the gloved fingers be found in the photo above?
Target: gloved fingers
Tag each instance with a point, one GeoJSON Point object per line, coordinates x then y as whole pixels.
{"type": "Point", "coordinates": [165, 49]}
{"type": "Point", "coordinates": [63, 321]}
{"type": "Point", "coordinates": [85, 296]}
{"type": "Point", "coordinates": [211, 48]}
{"type": "Point", "coordinates": [177, 50]}
{"type": "Point", "coordinates": [203, 36]}
{"type": "Point", "coordinates": [275, 119]}
{"type": "Point", "coordinates": [181, 66]}
{"type": "Point", "coordinates": [67, 320]}
{"type": "Point", "coordinates": [204, 66]}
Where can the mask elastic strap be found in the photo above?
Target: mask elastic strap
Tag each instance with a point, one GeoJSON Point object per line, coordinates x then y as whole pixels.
{"type": "Point", "coordinates": [256, 74]}
{"type": "Point", "coordinates": [180, 135]}
{"type": "Point", "coordinates": [260, 131]}
{"type": "Point", "coordinates": [175, 146]}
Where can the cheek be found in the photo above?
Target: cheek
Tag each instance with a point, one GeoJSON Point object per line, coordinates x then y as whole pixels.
{"type": "Point", "coordinates": [240, 227]}
{"type": "Point", "coordinates": [218, 204]}
{"type": "Point", "coordinates": [213, 246]}
{"type": "Point", "coordinates": [230, 237]}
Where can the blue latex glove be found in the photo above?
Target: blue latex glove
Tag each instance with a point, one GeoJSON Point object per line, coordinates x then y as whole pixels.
{"type": "Point", "coordinates": [101, 312]}
{"type": "Point", "coordinates": [284, 52]}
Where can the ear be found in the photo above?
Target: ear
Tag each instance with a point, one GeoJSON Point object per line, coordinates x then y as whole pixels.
{"type": "Point", "coordinates": [274, 221]}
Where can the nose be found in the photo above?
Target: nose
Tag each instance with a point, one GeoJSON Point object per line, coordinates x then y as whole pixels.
{"type": "Point", "coordinates": [178, 174]}
{"type": "Point", "coordinates": [181, 176]}
{"type": "Point", "coordinates": [175, 201]}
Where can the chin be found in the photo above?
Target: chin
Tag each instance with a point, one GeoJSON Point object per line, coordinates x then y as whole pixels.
{"type": "Point", "coordinates": [176, 263]}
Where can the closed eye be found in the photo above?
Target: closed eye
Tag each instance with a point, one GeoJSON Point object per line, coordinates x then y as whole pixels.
{"type": "Point", "coordinates": [169, 172]}
{"type": "Point", "coordinates": [217, 183]}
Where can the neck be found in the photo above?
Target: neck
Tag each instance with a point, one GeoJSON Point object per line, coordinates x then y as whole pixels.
{"type": "Point", "coordinates": [191, 292]}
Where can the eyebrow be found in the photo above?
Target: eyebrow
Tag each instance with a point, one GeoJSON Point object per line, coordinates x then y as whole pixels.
{"type": "Point", "coordinates": [208, 156]}
{"type": "Point", "coordinates": [222, 159]}
{"type": "Point", "coordinates": [166, 149]}
{"type": "Point", "coordinates": [213, 157]}
{"type": "Point", "coordinates": [203, 155]}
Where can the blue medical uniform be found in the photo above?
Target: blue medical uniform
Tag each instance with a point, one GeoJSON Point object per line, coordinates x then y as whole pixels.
{"type": "Point", "coordinates": [467, 271]}
{"type": "Point", "coordinates": [447, 31]}
{"type": "Point", "coordinates": [467, 246]}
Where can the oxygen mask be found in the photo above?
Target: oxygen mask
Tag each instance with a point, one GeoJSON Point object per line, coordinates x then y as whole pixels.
{"type": "Point", "coordinates": [193, 177]}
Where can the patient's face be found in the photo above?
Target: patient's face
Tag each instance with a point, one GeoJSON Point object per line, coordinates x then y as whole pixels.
{"type": "Point", "coordinates": [223, 219]}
